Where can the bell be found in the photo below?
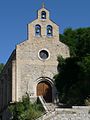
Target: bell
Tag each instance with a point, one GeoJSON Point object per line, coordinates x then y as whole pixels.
{"type": "Point", "coordinates": [43, 16]}
{"type": "Point", "coordinates": [37, 30]}
{"type": "Point", "coordinates": [49, 31]}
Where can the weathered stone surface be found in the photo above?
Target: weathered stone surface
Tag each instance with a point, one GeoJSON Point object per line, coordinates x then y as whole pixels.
{"type": "Point", "coordinates": [79, 113]}
{"type": "Point", "coordinates": [25, 69]}
{"type": "Point", "coordinates": [29, 65]}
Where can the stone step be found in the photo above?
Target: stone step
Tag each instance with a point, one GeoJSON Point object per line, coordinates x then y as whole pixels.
{"type": "Point", "coordinates": [50, 106]}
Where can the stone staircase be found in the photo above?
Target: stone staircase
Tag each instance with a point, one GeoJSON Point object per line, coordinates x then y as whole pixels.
{"type": "Point", "coordinates": [49, 116]}
{"type": "Point", "coordinates": [66, 114]}
{"type": "Point", "coordinates": [49, 108]}
{"type": "Point", "coordinates": [82, 113]}
{"type": "Point", "coordinates": [74, 113]}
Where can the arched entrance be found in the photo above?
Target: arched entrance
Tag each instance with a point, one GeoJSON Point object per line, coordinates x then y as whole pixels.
{"type": "Point", "coordinates": [44, 89]}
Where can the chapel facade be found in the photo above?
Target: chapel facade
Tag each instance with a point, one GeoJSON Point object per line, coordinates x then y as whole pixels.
{"type": "Point", "coordinates": [33, 64]}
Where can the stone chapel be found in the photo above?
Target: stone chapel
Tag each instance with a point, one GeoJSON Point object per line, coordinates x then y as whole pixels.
{"type": "Point", "coordinates": [33, 64]}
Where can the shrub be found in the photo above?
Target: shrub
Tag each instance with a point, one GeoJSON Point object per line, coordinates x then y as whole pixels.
{"type": "Point", "coordinates": [25, 110]}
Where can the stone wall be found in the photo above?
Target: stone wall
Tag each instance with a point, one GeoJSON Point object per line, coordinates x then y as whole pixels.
{"type": "Point", "coordinates": [76, 113]}
{"type": "Point", "coordinates": [6, 86]}
{"type": "Point", "coordinates": [30, 67]}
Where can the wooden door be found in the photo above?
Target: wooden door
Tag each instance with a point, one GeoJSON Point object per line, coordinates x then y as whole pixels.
{"type": "Point", "coordinates": [44, 89]}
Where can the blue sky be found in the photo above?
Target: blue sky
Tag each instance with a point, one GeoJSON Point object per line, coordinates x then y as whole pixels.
{"type": "Point", "coordinates": [16, 14]}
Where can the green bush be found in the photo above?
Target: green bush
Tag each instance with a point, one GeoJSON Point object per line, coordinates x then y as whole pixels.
{"type": "Point", "coordinates": [25, 110]}
{"type": "Point", "coordinates": [87, 101]}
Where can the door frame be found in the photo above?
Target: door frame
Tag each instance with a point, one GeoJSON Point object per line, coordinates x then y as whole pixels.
{"type": "Point", "coordinates": [50, 81]}
{"type": "Point", "coordinates": [44, 88]}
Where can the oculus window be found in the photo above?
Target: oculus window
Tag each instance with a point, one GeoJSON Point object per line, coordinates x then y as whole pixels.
{"type": "Point", "coordinates": [43, 54]}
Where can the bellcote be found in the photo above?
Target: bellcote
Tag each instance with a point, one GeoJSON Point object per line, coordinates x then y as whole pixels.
{"type": "Point", "coordinates": [43, 14]}
{"type": "Point", "coordinates": [42, 28]}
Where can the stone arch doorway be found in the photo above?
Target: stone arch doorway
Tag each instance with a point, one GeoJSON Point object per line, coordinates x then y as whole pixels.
{"type": "Point", "coordinates": [44, 89]}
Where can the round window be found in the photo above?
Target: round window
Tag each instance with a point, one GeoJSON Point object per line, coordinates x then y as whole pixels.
{"type": "Point", "coordinates": [43, 54]}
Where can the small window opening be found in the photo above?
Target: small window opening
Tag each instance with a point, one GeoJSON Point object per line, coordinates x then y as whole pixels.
{"type": "Point", "coordinates": [43, 15]}
{"type": "Point", "coordinates": [49, 30]}
{"type": "Point", "coordinates": [37, 30]}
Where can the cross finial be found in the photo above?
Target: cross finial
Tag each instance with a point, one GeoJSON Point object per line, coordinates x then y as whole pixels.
{"type": "Point", "coordinates": [43, 5]}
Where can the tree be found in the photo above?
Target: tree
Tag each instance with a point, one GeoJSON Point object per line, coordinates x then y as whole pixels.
{"type": "Point", "coordinates": [78, 41]}
{"type": "Point", "coordinates": [25, 110]}
{"type": "Point", "coordinates": [68, 37]}
{"type": "Point", "coordinates": [1, 66]}
{"type": "Point", "coordinates": [73, 78]}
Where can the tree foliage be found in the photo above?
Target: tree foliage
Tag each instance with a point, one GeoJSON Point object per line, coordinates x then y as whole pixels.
{"type": "Point", "coordinates": [78, 41]}
{"type": "Point", "coordinates": [25, 110]}
{"type": "Point", "coordinates": [73, 78]}
{"type": "Point", "coordinates": [1, 66]}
